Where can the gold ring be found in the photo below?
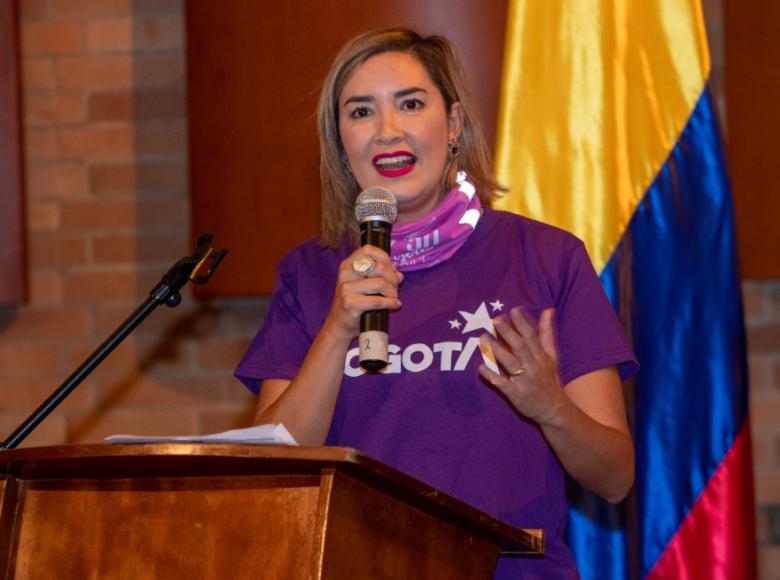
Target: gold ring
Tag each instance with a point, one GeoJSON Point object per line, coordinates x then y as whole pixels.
{"type": "Point", "coordinates": [363, 266]}
{"type": "Point", "coordinates": [518, 372]}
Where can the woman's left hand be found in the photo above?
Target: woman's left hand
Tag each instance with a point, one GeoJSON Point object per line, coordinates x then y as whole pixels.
{"type": "Point", "coordinates": [530, 361]}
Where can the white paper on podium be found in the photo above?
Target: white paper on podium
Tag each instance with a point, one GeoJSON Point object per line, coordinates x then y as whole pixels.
{"type": "Point", "coordinates": [269, 434]}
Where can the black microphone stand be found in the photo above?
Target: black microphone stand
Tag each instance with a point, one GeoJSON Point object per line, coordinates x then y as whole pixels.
{"type": "Point", "coordinates": [197, 268]}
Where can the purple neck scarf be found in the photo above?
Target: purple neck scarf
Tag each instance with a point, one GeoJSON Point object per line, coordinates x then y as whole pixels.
{"type": "Point", "coordinates": [435, 237]}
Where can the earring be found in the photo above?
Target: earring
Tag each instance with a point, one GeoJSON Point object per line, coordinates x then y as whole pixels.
{"type": "Point", "coordinates": [453, 148]}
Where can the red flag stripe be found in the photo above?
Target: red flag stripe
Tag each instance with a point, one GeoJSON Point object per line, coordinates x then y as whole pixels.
{"type": "Point", "coordinates": [716, 540]}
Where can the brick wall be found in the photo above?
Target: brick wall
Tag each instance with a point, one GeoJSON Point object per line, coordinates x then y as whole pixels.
{"type": "Point", "coordinates": [762, 317]}
{"type": "Point", "coordinates": [107, 213]}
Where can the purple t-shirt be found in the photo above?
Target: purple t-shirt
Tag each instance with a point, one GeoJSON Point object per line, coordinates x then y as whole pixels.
{"type": "Point", "coordinates": [430, 414]}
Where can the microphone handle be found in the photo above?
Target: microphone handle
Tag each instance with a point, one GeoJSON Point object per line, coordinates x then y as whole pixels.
{"type": "Point", "coordinates": [373, 338]}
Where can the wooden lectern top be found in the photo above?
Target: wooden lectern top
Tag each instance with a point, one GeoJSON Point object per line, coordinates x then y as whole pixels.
{"type": "Point", "coordinates": [332, 508]}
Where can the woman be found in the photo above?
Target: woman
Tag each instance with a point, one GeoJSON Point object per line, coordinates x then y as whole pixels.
{"type": "Point", "coordinates": [484, 287]}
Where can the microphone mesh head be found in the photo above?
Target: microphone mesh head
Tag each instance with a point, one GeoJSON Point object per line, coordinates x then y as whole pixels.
{"type": "Point", "coordinates": [376, 203]}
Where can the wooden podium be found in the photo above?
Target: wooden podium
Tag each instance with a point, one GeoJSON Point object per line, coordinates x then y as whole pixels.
{"type": "Point", "coordinates": [169, 511]}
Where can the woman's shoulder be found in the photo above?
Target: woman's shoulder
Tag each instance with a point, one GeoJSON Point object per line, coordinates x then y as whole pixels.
{"type": "Point", "coordinates": [531, 232]}
{"type": "Point", "coordinates": [313, 254]}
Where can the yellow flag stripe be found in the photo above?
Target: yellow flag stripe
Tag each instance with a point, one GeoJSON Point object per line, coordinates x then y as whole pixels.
{"type": "Point", "coordinates": [595, 94]}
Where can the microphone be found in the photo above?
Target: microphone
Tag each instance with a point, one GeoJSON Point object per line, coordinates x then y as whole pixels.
{"type": "Point", "coordinates": [375, 210]}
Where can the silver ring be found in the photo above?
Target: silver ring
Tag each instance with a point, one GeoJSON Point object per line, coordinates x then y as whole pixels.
{"type": "Point", "coordinates": [363, 266]}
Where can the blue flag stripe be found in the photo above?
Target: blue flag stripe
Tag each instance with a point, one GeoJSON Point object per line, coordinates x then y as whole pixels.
{"type": "Point", "coordinates": [675, 281]}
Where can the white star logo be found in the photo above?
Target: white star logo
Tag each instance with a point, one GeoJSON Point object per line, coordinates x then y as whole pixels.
{"type": "Point", "coordinates": [479, 319]}
{"type": "Point", "coordinates": [454, 324]}
{"type": "Point", "coordinates": [497, 306]}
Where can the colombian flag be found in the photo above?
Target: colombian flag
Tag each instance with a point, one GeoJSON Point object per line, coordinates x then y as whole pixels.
{"type": "Point", "coordinates": [607, 129]}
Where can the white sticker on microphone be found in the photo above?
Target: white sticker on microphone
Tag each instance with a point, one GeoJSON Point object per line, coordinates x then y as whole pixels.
{"type": "Point", "coordinates": [373, 345]}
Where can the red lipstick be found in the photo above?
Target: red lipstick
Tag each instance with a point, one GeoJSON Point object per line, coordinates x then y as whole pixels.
{"type": "Point", "coordinates": [394, 164]}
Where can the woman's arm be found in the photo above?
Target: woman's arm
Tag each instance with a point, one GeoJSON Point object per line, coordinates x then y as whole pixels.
{"type": "Point", "coordinates": [305, 405]}
{"type": "Point", "coordinates": [583, 422]}
{"type": "Point", "coordinates": [590, 435]}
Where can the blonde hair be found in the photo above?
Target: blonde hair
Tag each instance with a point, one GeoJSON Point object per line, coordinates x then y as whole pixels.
{"type": "Point", "coordinates": [438, 56]}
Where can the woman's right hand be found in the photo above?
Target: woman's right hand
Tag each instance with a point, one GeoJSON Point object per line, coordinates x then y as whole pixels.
{"type": "Point", "coordinates": [356, 293]}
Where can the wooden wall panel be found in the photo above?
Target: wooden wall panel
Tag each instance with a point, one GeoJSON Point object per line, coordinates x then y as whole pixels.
{"type": "Point", "coordinates": [752, 42]}
{"type": "Point", "coordinates": [254, 71]}
{"type": "Point", "coordinates": [12, 255]}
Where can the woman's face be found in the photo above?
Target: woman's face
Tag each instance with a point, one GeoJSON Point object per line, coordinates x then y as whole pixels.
{"type": "Point", "coordinates": [394, 127]}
